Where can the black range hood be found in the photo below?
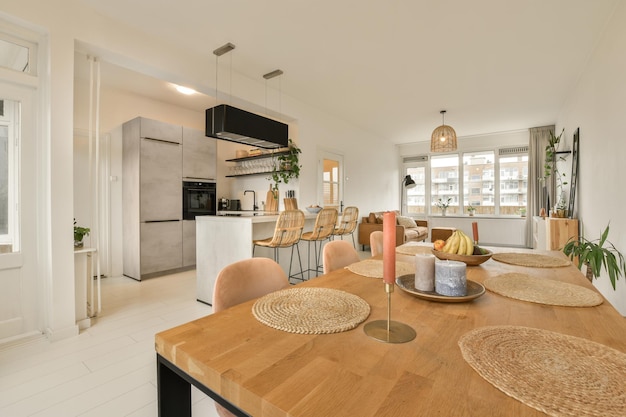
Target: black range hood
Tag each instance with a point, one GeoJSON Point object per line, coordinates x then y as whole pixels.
{"type": "Point", "coordinates": [236, 125]}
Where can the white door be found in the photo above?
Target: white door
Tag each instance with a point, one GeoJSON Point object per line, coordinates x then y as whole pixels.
{"type": "Point", "coordinates": [330, 180]}
{"type": "Point", "coordinates": [19, 293]}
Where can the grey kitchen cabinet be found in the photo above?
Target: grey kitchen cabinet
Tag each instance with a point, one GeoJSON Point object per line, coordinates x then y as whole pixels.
{"type": "Point", "coordinates": [161, 246]}
{"type": "Point", "coordinates": [160, 180]}
{"type": "Point", "coordinates": [199, 155]}
{"type": "Point", "coordinates": [151, 197]}
{"type": "Point", "coordinates": [189, 243]}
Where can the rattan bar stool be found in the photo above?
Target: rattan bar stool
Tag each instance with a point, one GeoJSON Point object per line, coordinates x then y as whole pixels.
{"type": "Point", "coordinates": [324, 227]}
{"type": "Point", "coordinates": [286, 234]}
{"type": "Point", "coordinates": [348, 223]}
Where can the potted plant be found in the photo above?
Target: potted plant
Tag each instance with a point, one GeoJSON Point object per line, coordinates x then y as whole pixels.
{"type": "Point", "coordinates": [443, 205]}
{"type": "Point", "coordinates": [287, 167]}
{"type": "Point", "coordinates": [522, 211]}
{"type": "Point", "coordinates": [595, 254]}
{"type": "Point", "coordinates": [550, 167]}
{"type": "Point", "coordinates": [79, 234]}
{"type": "Point", "coordinates": [471, 210]}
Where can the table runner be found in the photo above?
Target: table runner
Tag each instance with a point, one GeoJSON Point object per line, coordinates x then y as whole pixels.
{"type": "Point", "coordinates": [373, 268]}
{"type": "Point", "coordinates": [311, 310]}
{"type": "Point", "coordinates": [534, 260]}
{"type": "Point", "coordinates": [542, 291]}
{"type": "Point", "coordinates": [557, 374]}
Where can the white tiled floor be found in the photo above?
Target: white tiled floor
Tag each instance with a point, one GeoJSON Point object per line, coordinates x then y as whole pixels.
{"type": "Point", "coordinates": [109, 369]}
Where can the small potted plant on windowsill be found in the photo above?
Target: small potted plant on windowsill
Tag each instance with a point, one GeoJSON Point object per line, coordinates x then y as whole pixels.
{"type": "Point", "coordinates": [79, 234]}
{"type": "Point", "coordinates": [594, 254]}
{"type": "Point", "coordinates": [443, 205]}
{"type": "Point", "coordinates": [471, 210]}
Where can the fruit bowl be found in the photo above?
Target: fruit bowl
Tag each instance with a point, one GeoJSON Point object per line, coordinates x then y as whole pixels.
{"type": "Point", "coordinates": [313, 209]}
{"type": "Point", "coordinates": [470, 260]}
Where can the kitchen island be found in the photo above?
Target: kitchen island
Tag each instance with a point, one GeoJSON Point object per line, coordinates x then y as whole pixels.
{"type": "Point", "coordinates": [222, 240]}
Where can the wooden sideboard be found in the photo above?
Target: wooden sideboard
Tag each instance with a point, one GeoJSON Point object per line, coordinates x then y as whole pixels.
{"type": "Point", "coordinates": [552, 233]}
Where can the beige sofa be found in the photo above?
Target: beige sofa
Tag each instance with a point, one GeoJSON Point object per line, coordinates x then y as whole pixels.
{"type": "Point", "coordinates": [407, 229]}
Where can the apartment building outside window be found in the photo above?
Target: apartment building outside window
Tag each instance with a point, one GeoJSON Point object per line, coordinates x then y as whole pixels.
{"type": "Point", "coordinates": [494, 182]}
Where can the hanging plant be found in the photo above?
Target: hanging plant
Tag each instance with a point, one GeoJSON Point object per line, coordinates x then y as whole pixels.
{"type": "Point", "coordinates": [550, 167]}
{"type": "Point", "coordinates": [287, 167]}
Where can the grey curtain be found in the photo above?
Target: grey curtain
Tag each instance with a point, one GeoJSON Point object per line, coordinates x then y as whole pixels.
{"type": "Point", "coordinates": [539, 190]}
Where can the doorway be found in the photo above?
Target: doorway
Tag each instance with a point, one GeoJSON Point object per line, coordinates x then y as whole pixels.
{"type": "Point", "coordinates": [330, 180]}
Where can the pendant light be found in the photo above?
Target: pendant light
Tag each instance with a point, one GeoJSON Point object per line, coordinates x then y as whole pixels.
{"type": "Point", "coordinates": [443, 138]}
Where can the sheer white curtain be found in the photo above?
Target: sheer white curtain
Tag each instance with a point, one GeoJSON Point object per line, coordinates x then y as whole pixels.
{"type": "Point", "coordinates": [539, 191]}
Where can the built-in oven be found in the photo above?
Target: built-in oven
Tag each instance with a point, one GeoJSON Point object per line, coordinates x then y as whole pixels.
{"type": "Point", "coordinates": [199, 199]}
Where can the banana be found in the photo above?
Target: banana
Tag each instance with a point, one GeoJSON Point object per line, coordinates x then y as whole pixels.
{"type": "Point", "coordinates": [454, 247]}
{"type": "Point", "coordinates": [469, 247]}
{"type": "Point", "coordinates": [446, 247]}
{"type": "Point", "coordinates": [462, 243]}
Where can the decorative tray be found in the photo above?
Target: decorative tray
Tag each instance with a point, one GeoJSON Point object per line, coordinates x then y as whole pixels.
{"type": "Point", "coordinates": [407, 283]}
{"type": "Point", "coordinates": [470, 260]}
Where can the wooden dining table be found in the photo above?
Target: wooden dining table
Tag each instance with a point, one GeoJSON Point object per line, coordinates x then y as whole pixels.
{"type": "Point", "coordinates": [257, 370]}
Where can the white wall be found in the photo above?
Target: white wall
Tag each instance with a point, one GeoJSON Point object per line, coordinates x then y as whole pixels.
{"type": "Point", "coordinates": [597, 107]}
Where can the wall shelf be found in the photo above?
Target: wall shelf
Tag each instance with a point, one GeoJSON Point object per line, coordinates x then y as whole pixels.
{"type": "Point", "coordinates": [261, 156]}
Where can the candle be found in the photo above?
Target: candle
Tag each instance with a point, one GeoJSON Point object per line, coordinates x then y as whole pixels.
{"type": "Point", "coordinates": [450, 278]}
{"type": "Point", "coordinates": [475, 231]}
{"type": "Point", "coordinates": [425, 272]}
{"type": "Point", "coordinates": [389, 247]}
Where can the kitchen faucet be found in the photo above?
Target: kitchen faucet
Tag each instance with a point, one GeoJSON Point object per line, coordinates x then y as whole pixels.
{"type": "Point", "coordinates": [254, 206]}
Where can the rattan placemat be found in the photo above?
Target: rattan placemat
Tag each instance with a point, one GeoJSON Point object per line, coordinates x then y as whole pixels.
{"type": "Point", "coordinates": [557, 374]}
{"type": "Point", "coordinates": [542, 291]}
{"type": "Point", "coordinates": [373, 268]}
{"type": "Point", "coordinates": [311, 310]}
{"type": "Point", "coordinates": [413, 249]}
{"type": "Point", "coordinates": [534, 260]}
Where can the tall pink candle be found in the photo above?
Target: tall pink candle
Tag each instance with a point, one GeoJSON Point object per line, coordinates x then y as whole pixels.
{"type": "Point", "coordinates": [389, 247]}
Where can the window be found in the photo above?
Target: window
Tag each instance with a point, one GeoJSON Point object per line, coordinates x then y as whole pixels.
{"type": "Point", "coordinates": [495, 182]}
{"type": "Point", "coordinates": [445, 182]}
{"type": "Point", "coordinates": [9, 158]}
{"type": "Point", "coordinates": [17, 54]}
{"type": "Point", "coordinates": [513, 183]}
{"type": "Point", "coordinates": [416, 197]}
{"type": "Point", "coordinates": [478, 168]}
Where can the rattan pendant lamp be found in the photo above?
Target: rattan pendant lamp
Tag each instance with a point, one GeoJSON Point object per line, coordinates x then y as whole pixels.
{"type": "Point", "coordinates": [443, 138]}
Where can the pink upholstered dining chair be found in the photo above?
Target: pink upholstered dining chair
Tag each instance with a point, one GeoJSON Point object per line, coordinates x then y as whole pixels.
{"type": "Point", "coordinates": [338, 254]}
{"type": "Point", "coordinates": [243, 281]}
{"type": "Point", "coordinates": [376, 242]}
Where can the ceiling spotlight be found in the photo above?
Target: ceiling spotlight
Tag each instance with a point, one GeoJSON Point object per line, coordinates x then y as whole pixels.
{"type": "Point", "coordinates": [185, 90]}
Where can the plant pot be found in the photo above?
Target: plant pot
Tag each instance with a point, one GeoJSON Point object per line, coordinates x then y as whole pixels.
{"type": "Point", "coordinates": [443, 212]}
{"type": "Point", "coordinates": [78, 243]}
{"type": "Point", "coordinates": [471, 213]}
{"type": "Point", "coordinates": [560, 213]}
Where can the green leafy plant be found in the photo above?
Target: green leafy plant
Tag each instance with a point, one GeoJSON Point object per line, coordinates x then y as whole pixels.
{"type": "Point", "coordinates": [443, 204]}
{"type": "Point", "coordinates": [550, 167]}
{"type": "Point", "coordinates": [80, 233]}
{"type": "Point", "coordinates": [288, 166]}
{"type": "Point", "coordinates": [595, 254]}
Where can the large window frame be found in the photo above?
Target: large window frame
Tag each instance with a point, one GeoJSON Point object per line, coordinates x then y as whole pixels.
{"type": "Point", "coordinates": [459, 201]}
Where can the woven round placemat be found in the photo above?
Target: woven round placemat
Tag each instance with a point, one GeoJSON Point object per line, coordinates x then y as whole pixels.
{"type": "Point", "coordinates": [542, 291]}
{"type": "Point", "coordinates": [311, 310]}
{"type": "Point", "coordinates": [373, 268]}
{"type": "Point", "coordinates": [413, 249]}
{"type": "Point", "coordinates": [534, 260]}
{"type": "Point", "coordinates": [557, 374]}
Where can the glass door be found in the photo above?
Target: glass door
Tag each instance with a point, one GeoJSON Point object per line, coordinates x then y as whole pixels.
{"type": "Point", "coordinates": [330, 186]}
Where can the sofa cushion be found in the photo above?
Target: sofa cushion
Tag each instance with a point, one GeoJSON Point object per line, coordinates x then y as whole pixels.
{"type": "Point", "coordinates": [406, 221]}
{"type": "Point", "coordinates": [414, 233]}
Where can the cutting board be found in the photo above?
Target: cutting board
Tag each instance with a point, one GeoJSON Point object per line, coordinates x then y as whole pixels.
{"type": "Point", "coordinates": [271, 202]}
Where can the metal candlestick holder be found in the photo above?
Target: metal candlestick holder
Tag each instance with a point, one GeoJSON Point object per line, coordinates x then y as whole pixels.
{"type": "Point", "coordinates": [389, 331]}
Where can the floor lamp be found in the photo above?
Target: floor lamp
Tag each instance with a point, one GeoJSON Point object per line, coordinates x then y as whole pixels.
{"type": "Point", "coordinates": [407, 182]}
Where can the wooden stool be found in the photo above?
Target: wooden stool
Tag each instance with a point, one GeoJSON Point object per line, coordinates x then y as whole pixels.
{"type": "Point", "coordinates": [437, 233]}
